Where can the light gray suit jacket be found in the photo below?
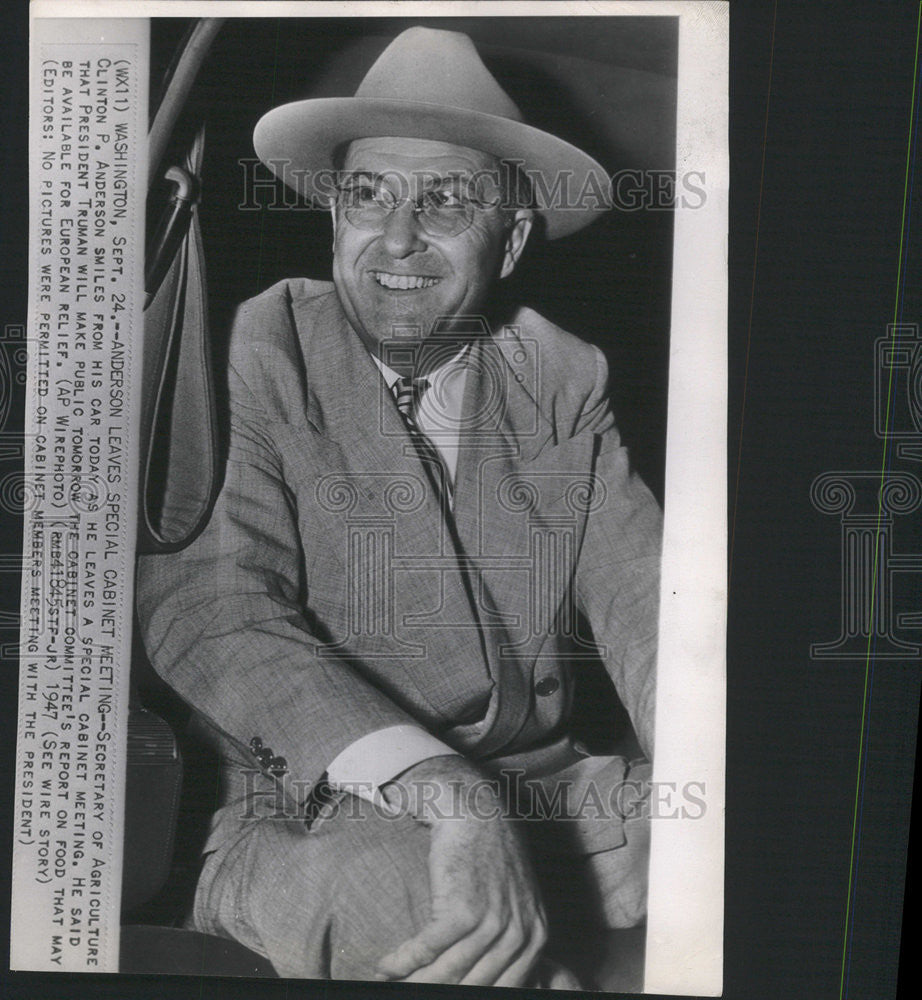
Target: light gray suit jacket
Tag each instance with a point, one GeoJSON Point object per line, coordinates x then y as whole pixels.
{"type": "Point", "coordinates": [328, 597]}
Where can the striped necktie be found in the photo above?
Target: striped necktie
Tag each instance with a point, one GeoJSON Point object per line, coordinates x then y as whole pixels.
{"type": "Point", "coordinates": [408, 392]}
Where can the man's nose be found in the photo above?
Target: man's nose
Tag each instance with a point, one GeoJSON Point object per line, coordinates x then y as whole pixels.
{"type": "Point", "coordinates": [403, 234]}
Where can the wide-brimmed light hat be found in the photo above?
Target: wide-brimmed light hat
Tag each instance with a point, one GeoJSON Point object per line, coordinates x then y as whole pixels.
{"type": "Point", "coordinates": [463, 105]}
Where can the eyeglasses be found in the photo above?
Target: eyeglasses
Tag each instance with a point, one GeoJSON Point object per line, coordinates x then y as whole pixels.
{"type": "Point", "coordinates": [442, 211]}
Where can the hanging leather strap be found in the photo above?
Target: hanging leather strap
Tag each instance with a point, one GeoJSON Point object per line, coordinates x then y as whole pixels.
{"type": "Point", "coordinates": [179, 446]}
{"type": "Point", "coordinates": [179, 476]}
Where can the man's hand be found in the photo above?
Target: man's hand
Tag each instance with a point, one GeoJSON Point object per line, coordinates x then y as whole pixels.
{"type": "Point", "coordinates": [488, 924]}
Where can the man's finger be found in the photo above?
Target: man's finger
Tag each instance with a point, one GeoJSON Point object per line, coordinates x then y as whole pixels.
{"type": "Point", "coordinates": [423, 949]}
{"type": "Point", "coordinates": [516, 974]}
{"type": "Point", "coordinates": [454, 964]}
{"type": "Point", "coordinates": [498, 958]}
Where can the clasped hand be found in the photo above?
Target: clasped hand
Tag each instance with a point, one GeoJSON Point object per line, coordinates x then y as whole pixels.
{"type": "Point", "coordinates": [487, 926]}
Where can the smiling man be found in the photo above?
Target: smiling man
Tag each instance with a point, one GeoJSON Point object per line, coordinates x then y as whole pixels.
{"type": "Point", "coordinates": [426, 233]}
{"type": "Point", "coordinates": [380, 625]}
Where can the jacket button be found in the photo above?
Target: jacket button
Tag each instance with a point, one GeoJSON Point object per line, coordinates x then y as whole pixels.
{"type": "Point", "coordinates": [278, 766]}
{"type": "Point", "coordinates": [256, 744]}
{"type": "Point", "coordinates": [264, 756]}
{"type": "Point", "coordinates": [547, 686]}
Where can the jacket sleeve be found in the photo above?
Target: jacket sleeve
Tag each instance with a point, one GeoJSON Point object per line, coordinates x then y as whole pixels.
{"type": "Point", "coordinates": [226, 622]}
{"type": "Point", "coordinates": [618, 570]}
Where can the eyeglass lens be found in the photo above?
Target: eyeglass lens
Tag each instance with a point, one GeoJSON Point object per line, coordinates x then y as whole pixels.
{"type": "Point", "coordinates": [442, 211]}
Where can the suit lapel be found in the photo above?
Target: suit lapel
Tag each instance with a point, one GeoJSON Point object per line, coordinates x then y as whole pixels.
{"type": "Point", "coordinates": [503, 429]}
{"type": "Point", "coordinates": [519, 510]}
{"type": "Point", "coordinates": [349, 402]}
{"type": "Point", "coordinates": [389, 490]}
{"type": "Point", "coordinates": [512, 506]}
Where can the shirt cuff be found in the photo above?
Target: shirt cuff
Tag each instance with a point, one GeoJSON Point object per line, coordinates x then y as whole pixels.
{"type": "Point", "coordinates": [374, 760]}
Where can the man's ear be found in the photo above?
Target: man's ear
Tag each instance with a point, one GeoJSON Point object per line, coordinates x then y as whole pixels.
{"type": "Point", "coordinates": [516, 239]}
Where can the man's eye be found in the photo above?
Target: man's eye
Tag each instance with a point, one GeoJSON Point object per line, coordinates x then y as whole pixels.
{"type": "Point", "coordinates": [358, 194]}
{"type": "Point", "coordinates": [363, 194]}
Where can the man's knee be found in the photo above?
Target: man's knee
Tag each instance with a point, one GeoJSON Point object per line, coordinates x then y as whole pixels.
{"type": "Point", "coordinates": [381, 893]}
{"type": "Point", "coordinates": [329, 902]}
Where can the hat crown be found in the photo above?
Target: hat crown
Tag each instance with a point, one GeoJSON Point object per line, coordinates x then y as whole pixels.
{"type": "Point", "coordinates": [427, 84]}
{"type": "Point", "coordinates": [436, 67]}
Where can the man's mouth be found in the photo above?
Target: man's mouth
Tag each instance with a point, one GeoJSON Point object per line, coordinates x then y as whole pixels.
{"type": "Point", "coordinates": [404, 282]}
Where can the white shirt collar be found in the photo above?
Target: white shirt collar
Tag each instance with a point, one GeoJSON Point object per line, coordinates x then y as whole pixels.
{"type": "Point", "coordinates": [390, 376]}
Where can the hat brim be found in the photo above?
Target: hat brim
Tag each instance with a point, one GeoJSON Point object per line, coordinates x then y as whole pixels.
{"type": "Point", "coordinates": [298, 142]}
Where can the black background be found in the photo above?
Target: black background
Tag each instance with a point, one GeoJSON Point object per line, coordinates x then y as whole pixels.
{"type": "Point", "coordinates": [820, 115]}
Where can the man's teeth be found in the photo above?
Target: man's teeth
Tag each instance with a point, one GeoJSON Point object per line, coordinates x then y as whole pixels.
{"type": "Point", "coordinates": [404, 281]}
